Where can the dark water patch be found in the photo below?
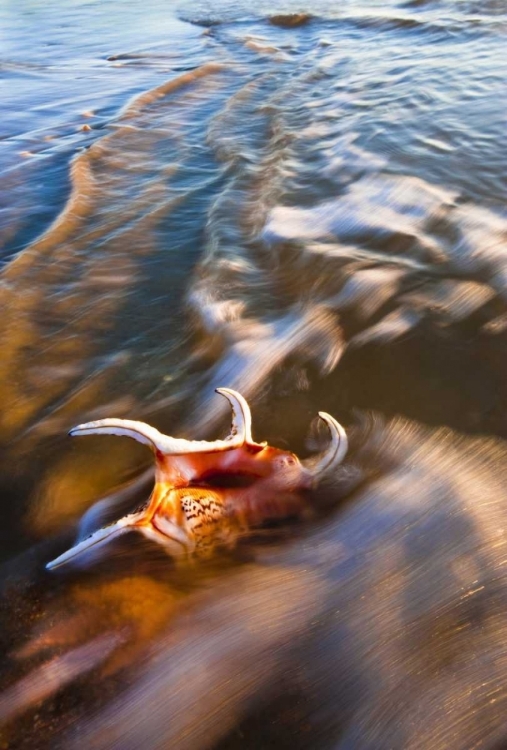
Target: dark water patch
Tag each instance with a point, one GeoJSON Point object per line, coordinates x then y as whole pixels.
{"type": "Point", "coordinates": [41, 200]}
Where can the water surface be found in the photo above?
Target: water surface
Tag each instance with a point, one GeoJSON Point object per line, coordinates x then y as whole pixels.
{"type": "Point", "coordinates": [308, 208]}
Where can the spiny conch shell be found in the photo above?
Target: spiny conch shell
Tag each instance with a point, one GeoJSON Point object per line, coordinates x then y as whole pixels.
{"type": "Point", "coordinates": [208, 493]}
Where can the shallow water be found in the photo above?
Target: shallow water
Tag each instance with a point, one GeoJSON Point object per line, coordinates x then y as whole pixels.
{"type": "Point", "coordinates": [308, 209]}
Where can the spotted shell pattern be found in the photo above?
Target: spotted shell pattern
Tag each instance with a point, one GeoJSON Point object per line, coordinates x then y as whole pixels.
{"type": "Point", "coordinates": [207, 520]}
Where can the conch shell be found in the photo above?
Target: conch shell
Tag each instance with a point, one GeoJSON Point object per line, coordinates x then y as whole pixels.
{"type": "Point", "coordinates": [207, 494]}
